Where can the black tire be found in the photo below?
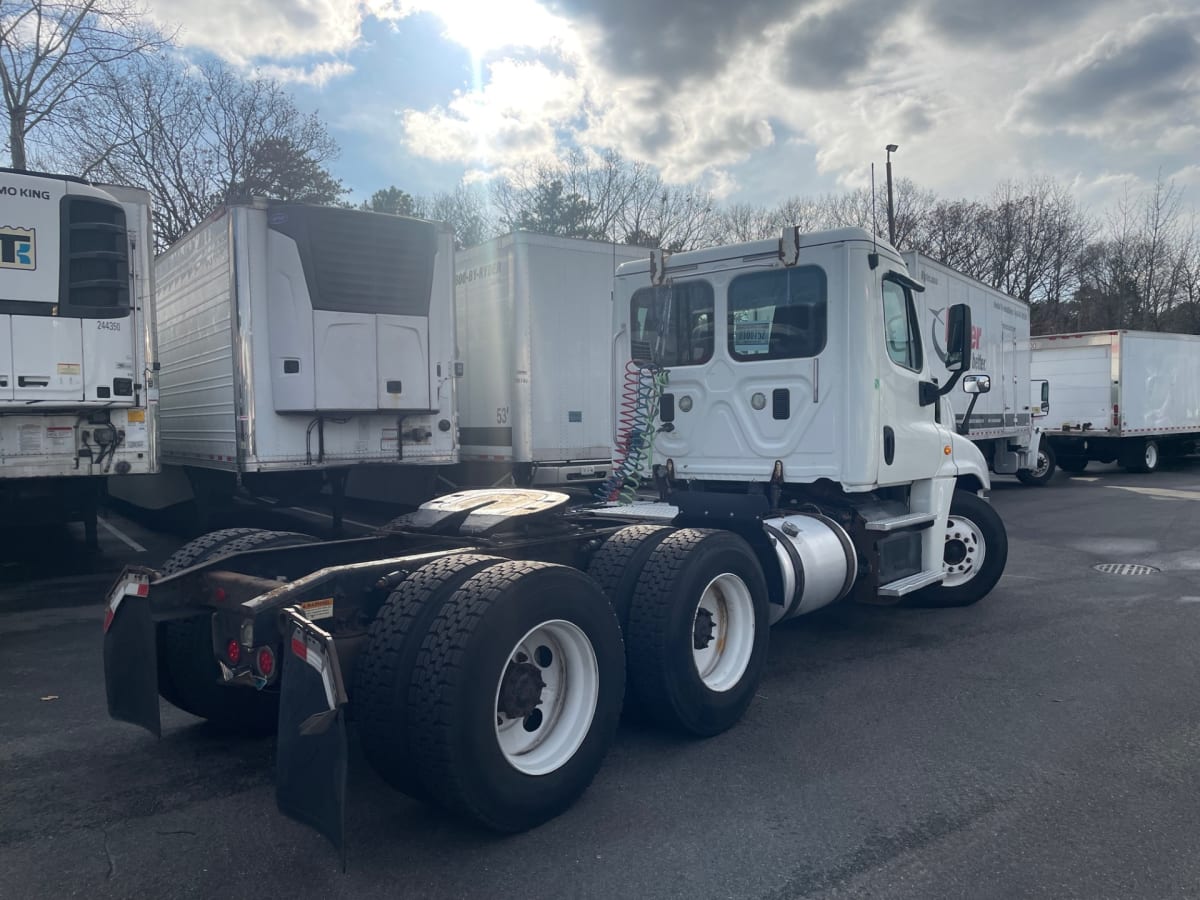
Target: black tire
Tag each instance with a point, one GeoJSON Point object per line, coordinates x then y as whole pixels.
{"type": "Point", "coordinates": [384, 670]}
{"type": "Point", "coordinates": [1073, 464]}
{"type": "Point", "coordinates": [1044, 471]}
{"type": "Point", "coordinates": [665, 683]}
{"type": "Point", "coordinates": [620, 560]}
{"type": "Point", "coordinates": [453, 714]}
{"type": "Point", "coordinates": [989, 527]}
{"type": "Point", "coordinates": [188, 675]}
{"type": "Point", "coordinates": [1143, 459]}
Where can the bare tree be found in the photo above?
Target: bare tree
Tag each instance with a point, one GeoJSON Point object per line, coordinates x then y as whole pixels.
{"type": "Point", "coordinates": [465, 209]}
{"type": "Point", "coordinates": [55, 55]}
{"type": "Point", "coordinates": [195, 137]}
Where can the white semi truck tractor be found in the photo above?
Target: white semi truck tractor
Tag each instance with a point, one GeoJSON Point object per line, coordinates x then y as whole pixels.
{"type": "Point", "coordinates": [78, 392]}
{"type": "Point", "coordinates": [779, 399]}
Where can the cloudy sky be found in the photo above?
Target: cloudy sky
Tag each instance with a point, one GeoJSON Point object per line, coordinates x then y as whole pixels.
{"type": "Point", "coordinates": [757, 99]}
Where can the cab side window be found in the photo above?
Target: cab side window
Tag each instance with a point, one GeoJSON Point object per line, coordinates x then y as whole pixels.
{"type": "Point", "coordinates": [901, 331]}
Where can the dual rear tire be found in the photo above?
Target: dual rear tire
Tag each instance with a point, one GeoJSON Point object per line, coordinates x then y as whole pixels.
{"type": "Point", "coordinates": [492, 688]}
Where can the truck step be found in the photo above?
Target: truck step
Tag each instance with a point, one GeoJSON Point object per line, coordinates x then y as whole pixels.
{"type": "Point", "coordinates": [897, 523]}
{"type": "Point", "coordinates": [903, 586]}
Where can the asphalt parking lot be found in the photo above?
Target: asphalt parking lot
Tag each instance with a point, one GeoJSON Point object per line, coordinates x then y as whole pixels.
{"type": "Point", "coordinates": [1043, 743]}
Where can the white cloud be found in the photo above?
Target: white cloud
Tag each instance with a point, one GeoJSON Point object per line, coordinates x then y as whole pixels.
{"type": "Point", "coordinates": [315, 76]}
{"type": "Point", "coordinates": [516, 116]}
{"type": "Point", "coordinates": [243, 30]}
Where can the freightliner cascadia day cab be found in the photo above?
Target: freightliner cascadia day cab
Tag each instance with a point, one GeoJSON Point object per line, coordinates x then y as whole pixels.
{"type": "Point", "coordinates": [1004, 424]}
{"type": "Point", "coordinates": [299, 341]}
{"type": "Point", "coordinates": [1130, 397]}
{"type": "Point", "coordinates": [485, 644]}
{"type": "Point", "coordinates": [534, 401]}
{"type": "Point", "coordinates": [78, 392]}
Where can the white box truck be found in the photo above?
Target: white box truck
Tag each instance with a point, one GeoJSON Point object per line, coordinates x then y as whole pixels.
{"type": "Point", "coordinates": [296, 342]}
{"type": "Point", "coordinates": [1131, 397]}
{"type": "Point", "coordinates": [803, 464]}
{"type": "Point", "coordinates": [535, 338]}
{"type": "Point", "coordinates": [1004, 424]}
{"type": "Point", "coordinates": [78, 398]}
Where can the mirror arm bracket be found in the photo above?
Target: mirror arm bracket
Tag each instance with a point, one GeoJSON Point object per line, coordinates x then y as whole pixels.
{"type": "Point", "coordinates": [965, 427]}
{"type": "Point", "coordinates": [949, 386]}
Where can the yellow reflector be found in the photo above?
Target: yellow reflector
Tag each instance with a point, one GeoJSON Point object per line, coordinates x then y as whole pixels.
{"type": "Point", "coordinates": [946, 449]}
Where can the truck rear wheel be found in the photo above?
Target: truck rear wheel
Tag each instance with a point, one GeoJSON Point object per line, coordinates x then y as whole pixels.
{"type": "Point", "coordinates": [1043, 471]}
{"type": "Point", "coordinates": [1143, 459]}
{"type": "Point", "coordinates": [1073, 464]}
{"type": "Point", "coordinates": [516, 694]}
{"type": "Point", "coordinates": [188, 675]}
{"type": "Point", "coordinates": [976, 549]}
{"type": "Point", "coordinates": [698, 627]}
{"type": "Point", "coordinates": [385, 667]}
{"type": "Point", "coordinates": [620, 560]}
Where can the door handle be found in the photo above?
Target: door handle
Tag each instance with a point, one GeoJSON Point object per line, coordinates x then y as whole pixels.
{"type": "Point", "coordinates": [32, 381]}
{"type": "Point", "coordinates": [889, 444]}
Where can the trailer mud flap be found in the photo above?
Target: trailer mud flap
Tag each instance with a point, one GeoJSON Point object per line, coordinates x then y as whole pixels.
{"type": "Point", "coordinates": [130, 653]}
{"type": "Point", "coordinates": [311, 761]}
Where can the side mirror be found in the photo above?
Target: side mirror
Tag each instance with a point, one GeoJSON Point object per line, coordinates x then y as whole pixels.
{"type": "Point", "coordinates": [958, 338]}
{"type": "Point", "coordinates": [977, 384]}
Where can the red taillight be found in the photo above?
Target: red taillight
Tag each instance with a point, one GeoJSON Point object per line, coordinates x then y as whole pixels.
{"type": "Point", "coordinates": [233, 651]}
{"type": "Point", "coordinates": [1116, 417]}
{"type": "Point", "coordinates": [265, 661]}
{"type": "Point", "coordinates": [220, 595]}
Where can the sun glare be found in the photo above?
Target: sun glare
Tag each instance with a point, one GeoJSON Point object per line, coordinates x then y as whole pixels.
{"type": "Point", "coordinates": [484, 26]}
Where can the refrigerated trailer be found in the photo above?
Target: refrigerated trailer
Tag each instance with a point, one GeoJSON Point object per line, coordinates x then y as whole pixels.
{"type": "Point", "coordinates": [297, 342]}
{"type": "Point", "coordinates": [1130, 397]}
{"type": "Point", "coordinates": [486, 643]}
{"type": "Point", "coordinates": [534, 336]}
{"type": "Point", "coordinates": [78, 391]}
{"type": "Point", "coordinates": [1003, 423]}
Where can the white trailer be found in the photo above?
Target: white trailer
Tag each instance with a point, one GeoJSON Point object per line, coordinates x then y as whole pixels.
{"type": "Point", "coordinates": [535, 338]}
{"type": "Point", "coordinates": [1131, 397]}
{"type": "Point", "coordinates": [1002, 422]}
{"type": "Point", "coordinates": [78, 396]}
{"type": "Point", "coordinates": [297, 342]}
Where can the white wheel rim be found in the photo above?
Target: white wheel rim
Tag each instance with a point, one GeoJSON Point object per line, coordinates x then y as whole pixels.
{"type": "Point", "coordinates": [965, 551]}
{"type": "Point", "coordinates": [1151, 456]}
{"type": "Point", "coordinates": [723, 659]}
{"type": "Point", "coordinates": [546, 738]}
{"type": "Point", "coordinates": [1043, 463]}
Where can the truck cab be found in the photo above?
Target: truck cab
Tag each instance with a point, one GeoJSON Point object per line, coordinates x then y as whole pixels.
{"type": "Point", "coordinates": [792, 374]}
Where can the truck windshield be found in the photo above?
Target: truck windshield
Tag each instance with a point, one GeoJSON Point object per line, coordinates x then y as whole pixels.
{"type": "Point", "coordinates": [779, 314]}
{"type": "Point", "coordinates": [672, 324]}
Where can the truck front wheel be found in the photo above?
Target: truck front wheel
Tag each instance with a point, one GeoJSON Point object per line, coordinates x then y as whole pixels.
{"type": "Point", "coordinates": [516, 694]}
{"type": "Point", "coordinates": [1043, 471]}
{"type": "Point", "coordinates": [188, 675]}
{"type": "Point", "coordinates": [697, 636]}
{"type": "Point", "coordinates": [975, 551]}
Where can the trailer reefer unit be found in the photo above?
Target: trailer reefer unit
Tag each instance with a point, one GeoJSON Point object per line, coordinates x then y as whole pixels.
{"type": "Point", "coordinates": [507, 630]}
{"type": "Point", "coordinates": [1131, 397]}
{"type": "Point", "coordinates": [298, 341]}
{"type": "Point", "coordinates": [78, 399]}
{"type": "Point", "coordinates": [1003, 423]}
{"type": "Point", "coordinates": [535, 337]}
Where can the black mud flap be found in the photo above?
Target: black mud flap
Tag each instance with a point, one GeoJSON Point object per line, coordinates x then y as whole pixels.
{"type": "Point", "coordinates": [130, 653]}
{"type": "Point", "coordinates": [311, 761]}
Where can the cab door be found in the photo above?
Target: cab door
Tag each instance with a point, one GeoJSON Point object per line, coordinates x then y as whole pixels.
{"type": "Point", "coordinates": [911, 438]}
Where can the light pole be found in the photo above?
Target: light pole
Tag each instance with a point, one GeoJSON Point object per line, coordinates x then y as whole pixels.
{"type": "Point", "coordinates": [891, 148]}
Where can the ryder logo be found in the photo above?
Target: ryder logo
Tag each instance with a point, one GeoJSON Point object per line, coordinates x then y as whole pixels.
{"type": "Point", "coordinates": [17, 248]}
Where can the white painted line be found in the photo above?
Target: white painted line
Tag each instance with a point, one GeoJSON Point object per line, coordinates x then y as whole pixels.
{"type": "Point", "coordinates": [1084, 478]}
{"type": "Point", "coordinates": [120, 535]}
{"type": "Point", "coordinates": [313, 512]}
{"type": "Point", "coordinates": [1158, 493]}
